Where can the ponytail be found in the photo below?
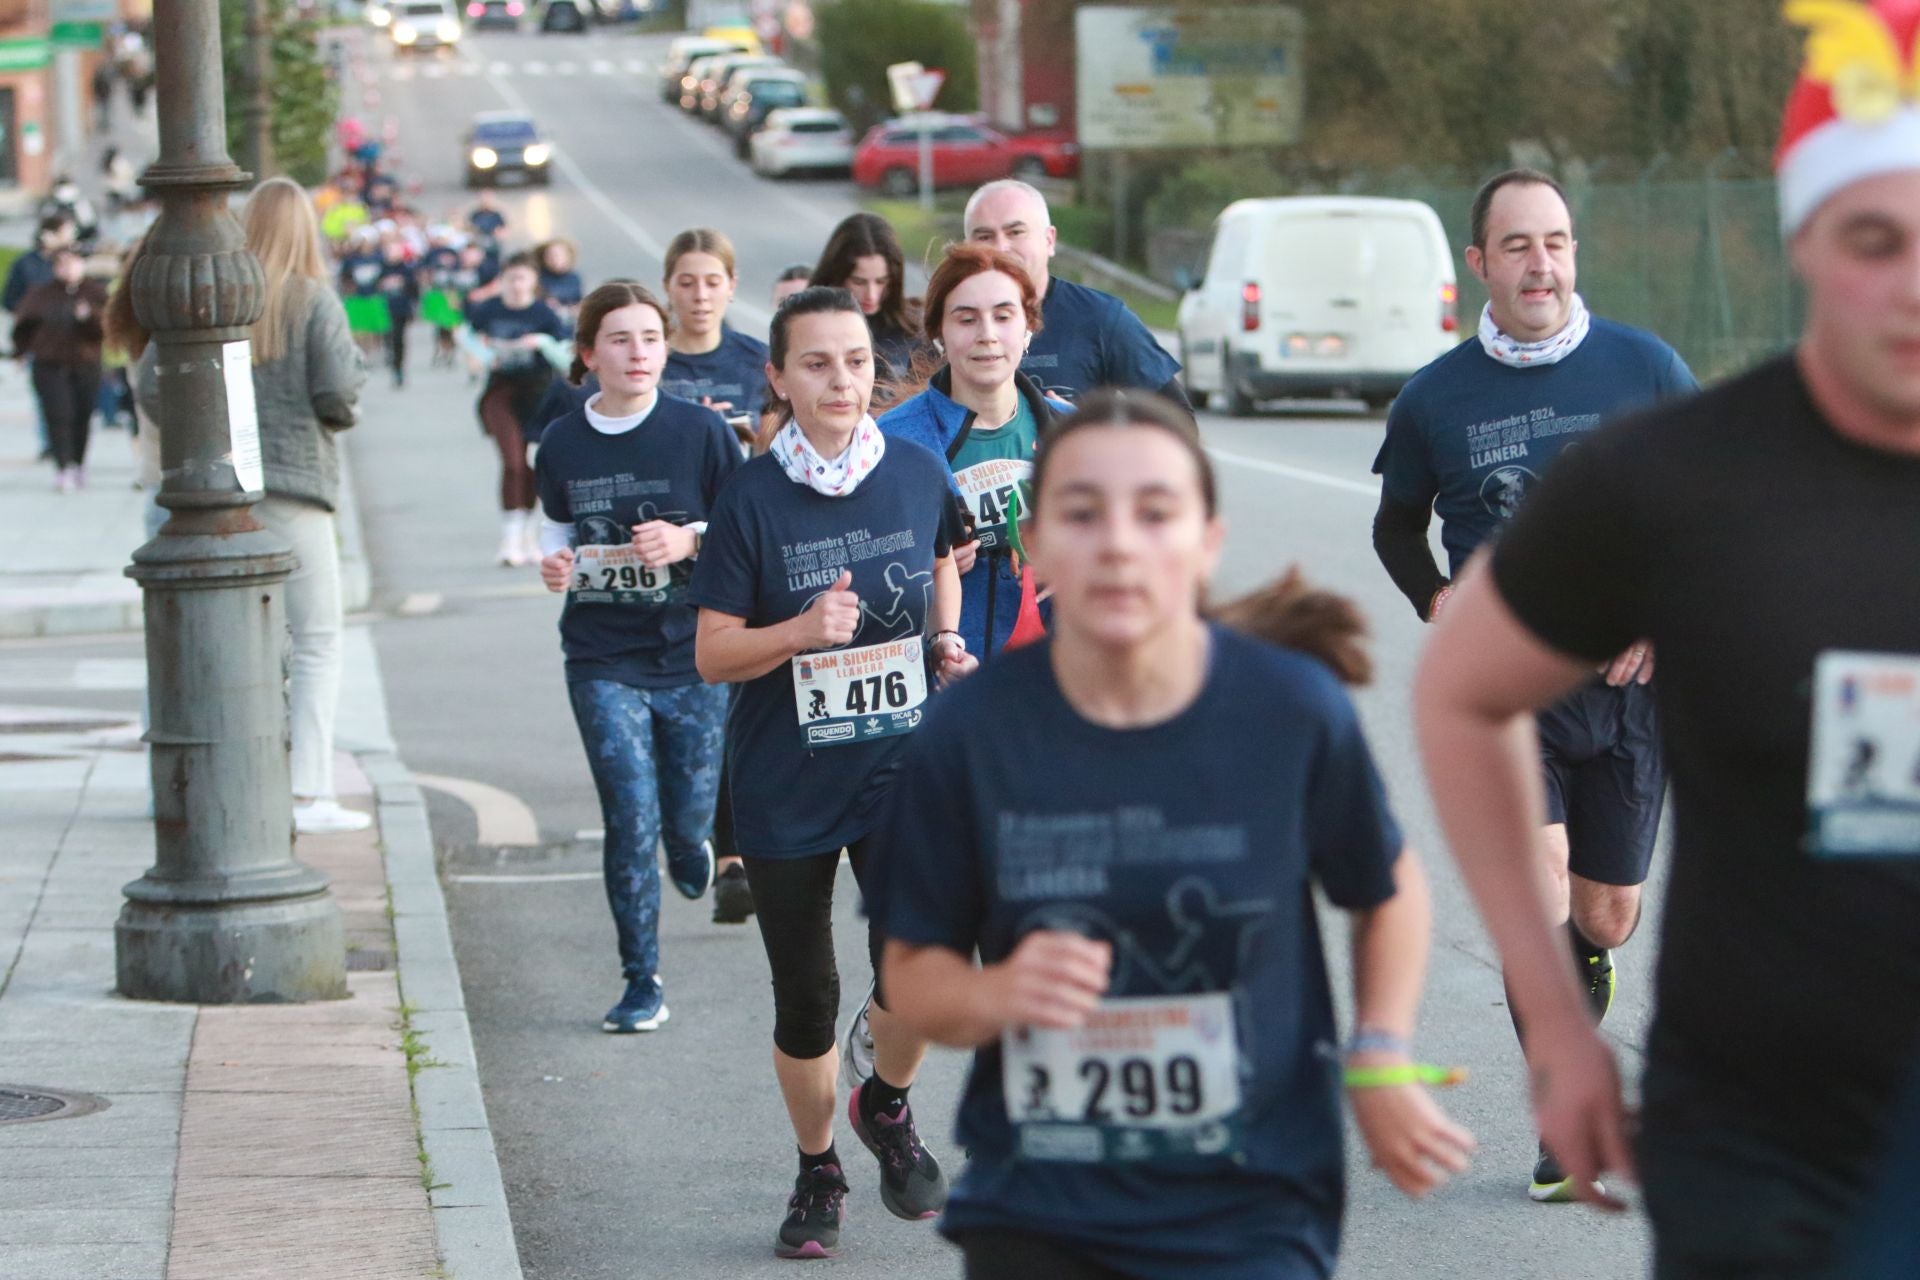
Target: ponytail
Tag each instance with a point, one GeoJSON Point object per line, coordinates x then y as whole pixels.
{"type": "Point", "coordinates": [1290, 613]}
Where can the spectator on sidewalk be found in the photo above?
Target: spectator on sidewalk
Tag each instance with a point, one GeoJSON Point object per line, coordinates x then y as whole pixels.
{"type": "Point", "coordinates": [104, 76]}
{"type": "Point", "coordinates": [33, 267]}
{"type": "Point", "coordinates": [58, 328]}
{"type": "Point", "coordinates": [1088, 339]}
{"type": "Point", "coordinates": [307, 375]}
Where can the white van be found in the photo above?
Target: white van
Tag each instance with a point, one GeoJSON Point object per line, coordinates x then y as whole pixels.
{"type": "Point", "coordinates": [1312, 296]}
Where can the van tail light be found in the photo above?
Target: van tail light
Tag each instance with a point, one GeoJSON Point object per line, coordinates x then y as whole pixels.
{"type": "Point", "coordinates": [1449, 308]}
{"type": "Point", "coordinates": [1250, 306]}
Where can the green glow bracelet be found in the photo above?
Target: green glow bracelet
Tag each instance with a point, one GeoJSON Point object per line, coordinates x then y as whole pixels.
{"type": "Point", "coordinates": [1411, 1073]}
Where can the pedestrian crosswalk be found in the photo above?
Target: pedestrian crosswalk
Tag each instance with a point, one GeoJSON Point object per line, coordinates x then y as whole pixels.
{"type": "Point", "coordinates": [462, 68]}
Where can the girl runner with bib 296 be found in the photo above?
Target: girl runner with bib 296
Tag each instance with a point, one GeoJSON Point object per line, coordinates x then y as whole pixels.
{"type": "Point", "coordinates": [827, 590]}
{"type": "Point", "coordinates": [985, 417]}
{"type": "Point", "coordinates": [1127, 821]}
{"type": "Point", "coordinates": [626, 483]}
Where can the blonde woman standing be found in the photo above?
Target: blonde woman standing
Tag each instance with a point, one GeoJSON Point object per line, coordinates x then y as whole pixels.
{"type": "Point", "coordinates": [307, 374]}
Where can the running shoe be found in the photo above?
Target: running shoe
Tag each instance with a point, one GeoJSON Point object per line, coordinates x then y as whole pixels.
{"type": "Point", "coordinates": [328, 817]}
{"type": "Point", "coordinates": [1551, 1185]}
{"type": "Point", "coordinates": [911, 1183]}
{"type": "Point", "coordinates": [856, 1064]}
{"type": "Point", "coordinates": [732, 896]}
{"type": "Point", "coordinates": [692, 872]}
{"type": "Point", "coordinates": [1601, 982]}
{"type": "Point", "coordinates": [814, 1213]}
{"type": "Point", "coordinates": [642, 1008]}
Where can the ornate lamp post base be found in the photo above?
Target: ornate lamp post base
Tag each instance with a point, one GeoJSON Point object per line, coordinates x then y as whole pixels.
{"type": "Point", "coordinates": [289, 949]}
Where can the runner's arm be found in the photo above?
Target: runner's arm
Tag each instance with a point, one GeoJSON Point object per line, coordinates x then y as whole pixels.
{"type": "Point", "coordinates": [1390, 944]}
{"type": "Point", "coordinates": [1052, 979]}
{"type": "Point", "coordinates": [1482, 675]}
{"type": "Point", "coordinates": [946, 595]}
{"type": "Point", "coordinates": [727, 651]}
{"type": "Point", "coordinates": [1400, 540]}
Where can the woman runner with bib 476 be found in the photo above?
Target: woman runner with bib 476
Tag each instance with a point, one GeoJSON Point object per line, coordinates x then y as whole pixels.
{"type": "Point", "coordinates": [1127, 821]}
{"type": "Point", "coordinates": [626, 482]}
{"type": "Point", "coordinates": [827, 591]}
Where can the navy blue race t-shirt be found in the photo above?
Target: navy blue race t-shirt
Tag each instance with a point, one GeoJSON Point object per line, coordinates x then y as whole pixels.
{"type": "Point", "coordinates": [1214, 1147]}
{"type": "Point", "coordinates": [1471, 437]}
{"type": "Point", "coordinates": [1090, 339]}
{"type": "Point", "coordinates": [495, 319]}
{"type": "Point", "coordinates": [360, 274]}
{"type": "Point", "coordinates": [621, 621]}
{"type": "Point", "coordinates": [735, 372]}
{"type": "Point", "coordinates": [808, 769]}
{"type": "Point", "coordinates": [562, 288]}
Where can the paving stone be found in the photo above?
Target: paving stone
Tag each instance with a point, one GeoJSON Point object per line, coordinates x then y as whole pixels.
{"type": "Point", "coordinates": [128, 1260]}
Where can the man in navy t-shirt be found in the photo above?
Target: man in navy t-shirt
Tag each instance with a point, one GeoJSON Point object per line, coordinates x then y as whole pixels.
{"type": "Point", "coordinates": [1469, 437]}
{"type": "Point", "coordinates": [1088, 338]}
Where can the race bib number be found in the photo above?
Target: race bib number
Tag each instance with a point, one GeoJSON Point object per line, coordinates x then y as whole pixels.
{"type": "Point", "coordinates": [854, 695]}
{"type": "Point", "coordinates": [1148, 1077]}
{"type": "Point", "coordinates": [615, 575]}
{"type": "Point", "coordinates": [1863, 778]}
{"type": "Point", "coordinates": [990, 489]}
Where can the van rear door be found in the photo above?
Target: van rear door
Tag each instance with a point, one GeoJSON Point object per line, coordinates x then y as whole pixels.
{"type": "Point", "coordinates": [1347, 289]}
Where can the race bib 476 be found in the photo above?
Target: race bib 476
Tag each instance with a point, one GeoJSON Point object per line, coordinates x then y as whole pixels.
{"type": "Point", "coordinates": [853, 695]}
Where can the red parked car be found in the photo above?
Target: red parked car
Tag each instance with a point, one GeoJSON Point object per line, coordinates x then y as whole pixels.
{"type": "Point", "coordinates": [966, 153]}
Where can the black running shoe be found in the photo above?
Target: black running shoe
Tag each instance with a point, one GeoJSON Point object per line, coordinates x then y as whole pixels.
{"type": "Point", "coordinates": [1601, 982]}
{"type": "Point", "coordinates": [911, 1183]}
{"type": "Point", "coordinates": [732, 896]}
{"type": "Point", "coordinates": [814, 1213]}
{"type": "Point", "coordinates": [1551, 1185]}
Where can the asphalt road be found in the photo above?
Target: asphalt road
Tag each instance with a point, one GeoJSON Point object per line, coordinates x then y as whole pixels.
{"type": "Point", "coordinates": [669, 1154]}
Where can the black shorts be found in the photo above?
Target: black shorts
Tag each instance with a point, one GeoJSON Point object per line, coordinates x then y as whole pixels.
{"type": "Point", "coordinates": [1600, 758]}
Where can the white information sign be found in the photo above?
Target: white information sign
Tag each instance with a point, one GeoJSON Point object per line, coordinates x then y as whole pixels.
{"type": "Point", "coordinates": [1163, 77]}
{"type": "Point", "coordinates": [243, 418]}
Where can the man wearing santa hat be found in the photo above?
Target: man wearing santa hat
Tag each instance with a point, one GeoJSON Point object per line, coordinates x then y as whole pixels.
{"type": "Point", "coordinates": [1765, 537]}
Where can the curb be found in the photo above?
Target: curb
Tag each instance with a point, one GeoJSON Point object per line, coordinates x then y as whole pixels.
{"type": "Point", "coordinates": [469, 1199]}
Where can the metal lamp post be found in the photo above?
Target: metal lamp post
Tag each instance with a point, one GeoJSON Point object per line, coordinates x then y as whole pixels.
{"type": "Point", "coordinates": [225, 915]}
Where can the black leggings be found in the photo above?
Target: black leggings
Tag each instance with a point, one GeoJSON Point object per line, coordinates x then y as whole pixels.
{"type": "Point", "coordinates": [793, 900]}
{"type": "Point", "coordinates": [68, 393]}
{"type": "Point", "coordinates": [993, 1254]}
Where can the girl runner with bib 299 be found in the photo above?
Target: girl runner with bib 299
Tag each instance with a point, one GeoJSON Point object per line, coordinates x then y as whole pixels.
{"type": "Point", "coordinates": [626, 483]}
{"type": "Point", "coordinates": [1127, 822]}
{"type": "Point", "coordinates": [827, 591]}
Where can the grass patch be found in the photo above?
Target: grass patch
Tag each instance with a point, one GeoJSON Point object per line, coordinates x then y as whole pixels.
{"type": "Point", "coordinates": [419, 1058]}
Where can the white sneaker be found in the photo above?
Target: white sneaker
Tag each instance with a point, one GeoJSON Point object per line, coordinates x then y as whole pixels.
{"type": "Point", "coordinates": [513, 538]}
{"type": "Point", "coordinates": [856, 1064]}
{"type": "Point", "coordinates": [326, 817]}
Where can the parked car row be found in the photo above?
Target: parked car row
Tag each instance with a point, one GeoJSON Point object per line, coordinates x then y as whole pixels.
{"type": "Point", "coordinates": [423, 26]}
{"type": "Point", "coordinates": [759, 101]}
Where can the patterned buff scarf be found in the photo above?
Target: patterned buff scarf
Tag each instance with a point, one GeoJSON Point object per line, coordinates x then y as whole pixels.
{"type": "Point", "coordinates": [830, 477]}
{"type": "Point", "coordinates": [1525, 355]}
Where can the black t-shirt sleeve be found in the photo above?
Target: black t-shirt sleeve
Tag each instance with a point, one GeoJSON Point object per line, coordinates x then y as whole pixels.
{"type": "Point", "coordinates": [1352, 839]}
{"type": "Point", "coordinates": [930, 894]}
{"type": "Point", "coordinates": [1400, 540]}
{"type": "Point", "coordinates": [1403, 464]}
{"type": "Point", "coordinates": [1573, 565]}
{"type": "Point", "coordinates": [725, 576]}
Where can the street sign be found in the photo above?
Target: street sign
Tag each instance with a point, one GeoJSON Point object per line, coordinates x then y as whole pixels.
{"type": "Point", "coordinates": [77, 35]}
{"type": "Point", "coordinates": [899, 77]}
{"type": "Point", "coordinates": [26, 54]}
{"type": "Point", "coordinates": [1166, 77]}
{"type": "Point", "coordinates": [925, 87]}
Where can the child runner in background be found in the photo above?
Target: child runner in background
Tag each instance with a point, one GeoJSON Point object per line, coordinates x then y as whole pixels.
{"type": "Point", "coordinates": [510, 328]}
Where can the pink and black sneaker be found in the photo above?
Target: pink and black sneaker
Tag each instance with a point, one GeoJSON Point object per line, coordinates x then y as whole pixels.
{"type": "Point", "coordinates": [911, 1183]}
{"type": "Point", "coordinates": [814, 1213]}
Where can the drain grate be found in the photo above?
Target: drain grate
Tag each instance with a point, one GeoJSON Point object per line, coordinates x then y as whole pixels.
{"type": "Point", "coordinates": [368, 960]}
{"type": "Point", "coordinates": [20, 1103]}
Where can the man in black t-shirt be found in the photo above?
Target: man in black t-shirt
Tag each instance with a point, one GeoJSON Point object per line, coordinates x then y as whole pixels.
{"type": "Point", "coordinates": [1765, 537]}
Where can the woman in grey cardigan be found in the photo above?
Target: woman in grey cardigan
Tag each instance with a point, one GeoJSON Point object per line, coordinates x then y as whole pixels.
{"type": "Point", "coordinates": [307, 374]}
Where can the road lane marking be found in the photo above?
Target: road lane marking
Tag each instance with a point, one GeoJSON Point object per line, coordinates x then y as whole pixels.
{"type": "Point", "coordinates": [550, 877]}
{"type": "Point", "coordinates": [564, 68]}
{"type": "Point", "coordinates": [499, 68]}
{"type": "Point", "coordinates": [420, 603]}
{"type": "Point", "coordinates": [600, 68]}
{"type": "Point", "coordinates": [634, 67]}
{"type": "Point", "coordinates": [502, 817]}
{"type": "Point", "coordinates": [1303, 474]}
{"type": "Point", "coordinates": [533, 68]}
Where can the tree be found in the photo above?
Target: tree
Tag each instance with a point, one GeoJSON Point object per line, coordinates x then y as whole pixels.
{"type": "Point", "coordinates": [860, 39]}
{"type": "Point", "coordinates": [303, 100]}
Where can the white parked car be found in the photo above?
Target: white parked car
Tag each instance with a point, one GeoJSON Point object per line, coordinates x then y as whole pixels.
{"type": "Point", "coordinates": [1309, 296]}
{"type": "Point", "coordinates": [793, 139]}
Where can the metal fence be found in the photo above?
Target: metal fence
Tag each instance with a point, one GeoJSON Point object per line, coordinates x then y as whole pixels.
{"type": "Point", "coordinates": [1701, 262]}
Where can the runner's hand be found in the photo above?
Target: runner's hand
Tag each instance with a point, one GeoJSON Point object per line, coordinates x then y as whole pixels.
{"type": "Point", "coordinates": [953, 662]}
{"type": "Point", "coordinates": [1577, 1106]}
{"type": "Point", "coordinates": [1053, 979]}
{"type": "Point", "coordinates": [832, 618]}
{"type": "Point", "coordinates": [1408, 1135]}
{"type": "Point", "coordinates": [1635, 666]}
{"type": "Point", "coordinates": [964, 554]}
{"type": "Point", "coordinates": [662, 544]}
{"type": "Point", "coordinates": [556, 570]}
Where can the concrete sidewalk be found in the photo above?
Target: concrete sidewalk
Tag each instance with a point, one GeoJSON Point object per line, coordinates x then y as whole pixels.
{"type": "Point", "coordinates": [341, 1139]}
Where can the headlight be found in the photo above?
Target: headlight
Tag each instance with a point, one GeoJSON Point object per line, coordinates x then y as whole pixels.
{"type": "Point", "coordinates": [538, 153]}
{"type": "Point", "coordinates": [484, 158]}
{"type": "Point", "coordinates": [404, 34]}
{"type": "Point", "coordinates": [449, 30]}
{"type": "Point", "coordinates": [378, 16]}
